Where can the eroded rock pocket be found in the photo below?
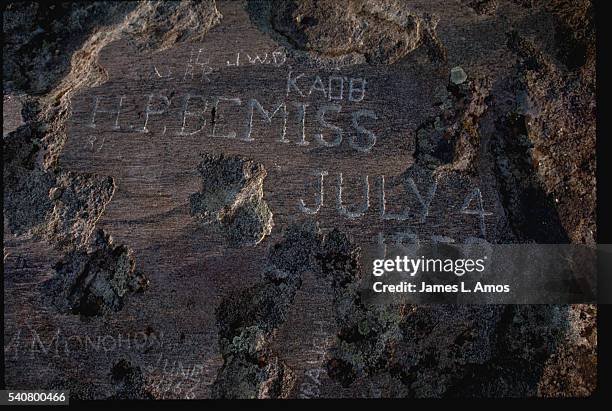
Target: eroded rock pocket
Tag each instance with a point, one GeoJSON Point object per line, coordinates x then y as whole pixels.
{"type": "Point", "coordinates": [96, 281]}
{"type": "Point", "coordinates": [232, 199]}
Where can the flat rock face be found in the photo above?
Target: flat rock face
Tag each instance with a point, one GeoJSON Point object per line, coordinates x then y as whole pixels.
{"type": "Point", "coordinates": [191, 191]}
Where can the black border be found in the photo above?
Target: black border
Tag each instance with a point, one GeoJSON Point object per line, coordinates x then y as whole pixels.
{"type": "Point", "coordinates": [604, 236]}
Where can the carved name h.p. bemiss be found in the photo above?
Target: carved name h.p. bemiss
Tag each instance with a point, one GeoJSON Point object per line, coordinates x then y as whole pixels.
{"type": "Point", "coordinates": [324, 112]}
{"type": "Point", "coordinates": [198, 113]}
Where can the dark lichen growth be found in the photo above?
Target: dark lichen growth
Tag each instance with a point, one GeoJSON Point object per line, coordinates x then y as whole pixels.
{"type": "Point", "coordinates": [365, 333]}
{"type": "Point", "coordinates": [247, 320]}
{"type": "Point", "coordinates": [432, 350]}
{"type": "Point", "coordinates": [40, 39]}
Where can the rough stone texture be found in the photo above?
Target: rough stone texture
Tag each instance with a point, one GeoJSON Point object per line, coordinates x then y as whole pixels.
{"type": "Point", "coordinates": [44, 42]}
{"type": "Point", "coordinates": [78, 202]}
{"type": "Point", "coordinates": [450, 140]}
{"type": "Point", "coordinates": [560, 143]}
{"type": "Point", "coordinates": [232, 196]}
{"type": "Point", "coordinates": [344, 27]}
{"type": "Point", "coordinates": [349, 30]}
{"type": "Point", "coordinates": [129, 382]}
{"type": "Point", "coordinates": [96, 281]}
{"type": "Point", "coordinates": [570, 369]}
{"type": "Point", "coordinates": [482, 7]}
{"type": "Point", "coordinates": [61, 206]}
{"type": "Point", "coordinates": [247, 321]}
{"type": "Point", "coordinates": [11, 114]}
{"type": "Point", "coordinates": [239, 321]}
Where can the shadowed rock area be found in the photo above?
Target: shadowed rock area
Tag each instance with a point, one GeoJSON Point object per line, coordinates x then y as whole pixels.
{"type": "Point", "coordinates": [129, 382]}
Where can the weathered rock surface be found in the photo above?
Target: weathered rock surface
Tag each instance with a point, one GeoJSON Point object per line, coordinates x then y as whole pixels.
{"type": "Point", "coordinates": [493, 94]}
{"type": "Point", "coordinates": [95, 281]}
